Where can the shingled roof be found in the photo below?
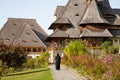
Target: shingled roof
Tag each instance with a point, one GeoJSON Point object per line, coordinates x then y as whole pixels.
{"type": "Point", "coordinates": [93, 15]}
{"type": "Point", "coordinates": [117, 11]}
{"type": "Point", "coordinates": [74, 10]}
{"type": "Point", "coordinates": [59, 33]}
{"type": "Point", "coordinates": [74, 32]}
{"type": "Point", "coordinates": [105, 7]}
{"type": "Point", "coordinates": [115, 32]}
{"type": "Point", "coordinates": [61, 21]}
{"type": "Point", "coordinates": [58, 10]}
{"type": "Point", "coordinates": [79, 13]}
{"type": "Point", "coordinates": [19, 31]}
{"type": "Point", "coordinates": [91, 33]}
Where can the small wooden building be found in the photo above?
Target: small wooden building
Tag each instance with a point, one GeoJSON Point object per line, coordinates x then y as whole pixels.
{"type": "Point", "coordinates": [25, 33]}
{"type": "Point", "coordinates": [93, 21]}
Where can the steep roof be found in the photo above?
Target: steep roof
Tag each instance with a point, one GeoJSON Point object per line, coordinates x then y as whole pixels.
{"type": "Point", "coordinates": [116, 11]}
{"type": "Point", "coordinates": [27, 38]}
{"type": "Point", "coordinates": [115, 32]}
{"type": "Point", "coordinates": [14, 27]}
{"type": "Point", "coordinates": [60, 21]}
{"type": "Point", "coordinates": [74, 10]}
{"type": "Point", "coordinates": [58, 10]}
{"type": "Point", "coordinates": [93, 15]}
{"type": "Point", "coordinates": [117, 20]}
{"type": "Point", "coordinates": [73, 32]}
{"type": "Point", "coordinates": [59, 33]}
{"type": "Point", "coordinates": [90, 33]}
{"type": "Point", "coordinates": [105, 7]}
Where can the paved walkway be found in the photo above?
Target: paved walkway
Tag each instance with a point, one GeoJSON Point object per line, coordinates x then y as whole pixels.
{"type": "Point", "coordinates": [64, 73]}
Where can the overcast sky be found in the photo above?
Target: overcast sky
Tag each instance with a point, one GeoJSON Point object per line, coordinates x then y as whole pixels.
{"type": "Point", "coordinates": [41, 10]}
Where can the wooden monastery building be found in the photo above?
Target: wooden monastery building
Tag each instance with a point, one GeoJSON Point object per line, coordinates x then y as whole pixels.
{"type": "Point", "coordinates": [25, 33]}
{"type": "Point", "coordinates": [93, 21]}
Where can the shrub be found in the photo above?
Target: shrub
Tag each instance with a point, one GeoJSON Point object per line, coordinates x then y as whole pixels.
{"type": "Point", "coordinates": [113, 49]}
{"type": "Point", "coordinates": [106, 68]}
{"type": "Point", "coordinates": [37, 62]}
{"type": "Point", "coordinates": [44, 59]}
{"type": "Point", "coordinates": [12, 57]}
{"type": "Point", "coordinates": [105, 45]}
{"type": "Point", "coordinates": [75, 48]}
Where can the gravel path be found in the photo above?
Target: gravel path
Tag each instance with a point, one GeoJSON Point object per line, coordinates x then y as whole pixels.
{"type": "Point", "coordinates": [64, 73]}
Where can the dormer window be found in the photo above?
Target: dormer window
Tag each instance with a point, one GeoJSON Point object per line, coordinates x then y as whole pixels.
{"type": "Point", "coordinates": [108, 16]}
{"type": "Point", "coordinates": [28, 33]}
{"type": "Point", "coordinates": [13, 34]}
{"type": "Point", "coordinates": [77, 15]}
{"type": "Point", "coordinates": [76, 4]}
{"type": "Point", "coordinates": [7, 39]}
{"type": "Point", "coordinates": [15, 24]}
{"type": "Point", "coordinates": [34, 41]}
{"type": "Point", "coordinates": [23, 41]}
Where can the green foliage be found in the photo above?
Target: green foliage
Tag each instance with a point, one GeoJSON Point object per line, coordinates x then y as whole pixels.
{"type": "Point", "coordinates": [13, 57]}
{"type": "Point", "coordinates": [37, 62]}
{"type": "Point", "coordinates": [44, 58]}
{"type": "Point", "coordinates": [105, 45]}
{"type": "Point", "coordinates": [1, 67]}
{"type": "Point", "coordinates": [113, 49]}
{"type": "Point", "coordinates": [75, 48]}
{"type": "Point", "coordinates": [98, 71]}
{"type": "Point", "coordinates": [97, 68]}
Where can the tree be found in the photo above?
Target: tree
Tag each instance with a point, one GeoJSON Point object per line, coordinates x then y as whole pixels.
{"type": "Point", "coordinates": [75, 48]}
{"type": "Point", "coordinates": [12, 57]}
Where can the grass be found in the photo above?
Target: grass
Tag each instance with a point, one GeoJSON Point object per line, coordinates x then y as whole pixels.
{"type": "Point", "coordinates": [34, 74]}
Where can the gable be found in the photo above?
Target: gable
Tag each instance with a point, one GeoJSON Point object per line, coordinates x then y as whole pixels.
{"type": "Point", "coordinates": [27, 38]}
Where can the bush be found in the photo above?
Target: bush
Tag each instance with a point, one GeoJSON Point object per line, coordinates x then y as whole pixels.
{"type": "Point", "coordinates": [105, 68]}
{"type": "Point", "coordinates": [12, 57]}
{"type": "Point", "coordinates": [37, 62]}
{"type": "Point", "coordinates": [44, 59]}
{"type": "Point", "coordinates": [113, 49]}
{"type": "Point", "coordinates": [75, 48]}
{"type": "Point", "coordinates": [105, 46]}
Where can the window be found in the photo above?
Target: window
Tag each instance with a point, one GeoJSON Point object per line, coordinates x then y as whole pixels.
{"type": "Point", "coordinates": [39, 49]}
{"type": "Point", "coordinates": [77, 15]}
{"type": "Point", "coordinates": [34, 50]}
{"type": "Point", "coordinates": [28, 33]}
{"type": "Point", "coordinates": [28, 50]}
{"type": "Point", "coordinates": [15, 24]}
{"type": "Point", "coordinates": [116, 40]}
{"type": "Point", "coordinates": [13, 34]}
{"type": "Point", "coordinates": [7, 39]}
{"type": "Point", "coordinates": [23, 41]}
{"type": "Point", "coordinates": [34, 41]}
{"type": "Point", "coordinates": [76, 4]}
{"type": "Point", "coordinates": [44, 50]}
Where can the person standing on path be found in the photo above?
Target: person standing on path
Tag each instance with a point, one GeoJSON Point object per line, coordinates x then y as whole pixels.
{"type": "Point", "coordinates": [57, 61]}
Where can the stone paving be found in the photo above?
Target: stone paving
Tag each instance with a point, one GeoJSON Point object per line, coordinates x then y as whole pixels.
{"type": "Point", "coordinates": [64, 73]}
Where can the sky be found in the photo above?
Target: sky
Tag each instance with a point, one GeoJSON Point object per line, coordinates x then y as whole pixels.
{"type": "Point", "coordinates": [41, 10]}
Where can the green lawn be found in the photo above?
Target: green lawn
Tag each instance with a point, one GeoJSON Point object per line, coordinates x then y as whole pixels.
{"type": "Point", "coordinates": [34, 74]}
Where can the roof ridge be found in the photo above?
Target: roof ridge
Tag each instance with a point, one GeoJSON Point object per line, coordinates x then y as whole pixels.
{"type": "Point", "coordinates": [21, 28]}
{"type": "Point", "coordinates": [105, 30]}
